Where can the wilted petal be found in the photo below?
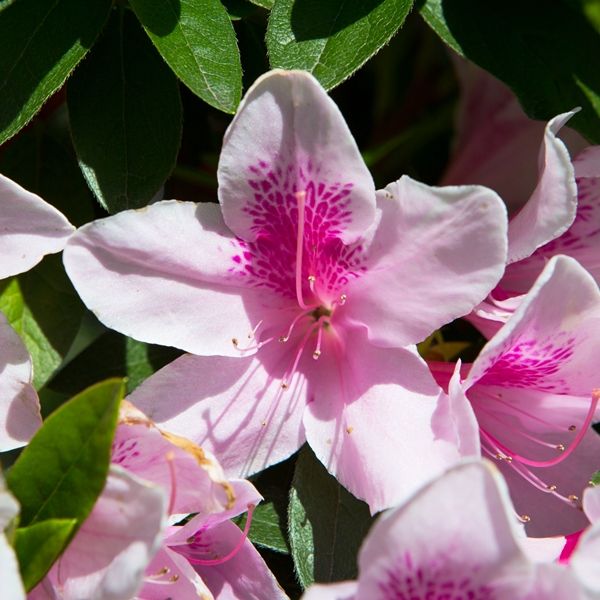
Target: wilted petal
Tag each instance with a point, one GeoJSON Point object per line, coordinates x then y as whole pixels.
{"type": "Point", "coordinates": [19, 405]}
{"type": "Point", "coordinates": [455, 235]}
{"type": "Point", "coordinates": [288, 136]}
{"type": "Point", "coordinates": [29, 229]}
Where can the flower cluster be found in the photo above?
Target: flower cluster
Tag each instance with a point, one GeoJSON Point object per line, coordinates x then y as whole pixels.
{"type": "Point", "coordinates": [298, 301]}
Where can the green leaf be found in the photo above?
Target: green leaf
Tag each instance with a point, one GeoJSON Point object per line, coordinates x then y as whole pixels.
{"type": "Point", "coordinates": [62, 471]}
{"type": "Point", "coordinates": [35, 157]}
{"type": "Point", "coordinates": [125, 114]}
{"type": "Point", "coordinates": [268, 4]}
{"type": "Point", "coordinates": [39, 545]}
{"type": "Point", "coordinates": [266, 530]}
{"type": "Point", "coordinates": [595, 478]}
{"type": "Point", "coordinates": [542, 55]}
{"type": "Point", "coordinates": [329, 38]}
{"type": "Point", "coordinates": [40, 44]}
{"type": "Point", "coordinates": [43, 308]}
{"type": "Point", "coordinates": [327, 524]}
{"type": "Point", "coordinates": [197, 40]}
{"type": "Point", "coordinates": [112, 355]}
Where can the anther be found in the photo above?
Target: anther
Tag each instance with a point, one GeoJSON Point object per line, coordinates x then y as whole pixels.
{"type": "Point", "coordinates": [284, 385]}
{"type": "Point", "coordinates": [174, 578]}
{"type": "Point", "coordinates": [560, 447]}
{"type": "Point", "coordinates": [316, 354]}
{"type": "Point", "coordinates": [311, 279]}
{"type": "Point", "coordinates": [343, 299]}
{"type": "Point", "coordinates": [551, 488]}
{"type": "Point", "coordinates": [283, 339]}
{"type": "Point", "coordinates": [572, 427]}
{"type": "Point", "coordinates": [524, 518]}
{"type": "Point", "coordinates": [235, 342]}
{"type": "Point", "coordinates": [573, 498]}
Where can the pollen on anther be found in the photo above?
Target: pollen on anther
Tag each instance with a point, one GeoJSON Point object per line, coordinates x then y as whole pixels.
{"type": "Point", "coordinates": [551, 488]}
{"type": "Point", "coordinates": [312, 278]}
{"type": "Point", "coordinates": [560, 447]}
{"type": "Point", "coordinates": [349, 429]}
{"type": "Point", "coordinates": [343, 299]}
{"type": "Point", "coordinates": [284, 385]}
{"type": "Point", "coordinates": [283, 339]}
{"type": "Point", "coordinates": [572, 427]}
{"type": "Point", "coordinates": [174, 578]}
{"type": "Point", "coordinates": [316, 354]}
{"type": "Point", "coordinates": [573, 498]}
{"type": "Point", "coordinates": [524, 518]}
{"type": "Point", "coordinates": [235, 341]}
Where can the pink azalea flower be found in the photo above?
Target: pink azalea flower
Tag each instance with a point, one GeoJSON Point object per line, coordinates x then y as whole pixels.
{"type": "Point", "coordinates": [530, 392]}
{"type": "Point", "coordinates": [303, 298]}
{"type": "Point", "coordinates": [554, 203]}
{"type": "Point", "coordinates": [123, 550]}
{"type": "Point", "coordinates": [12, 586]}
{"type": "Point", "coordinates": [455, 538]}
{"type": "Point", "coordinates": [31, 228]}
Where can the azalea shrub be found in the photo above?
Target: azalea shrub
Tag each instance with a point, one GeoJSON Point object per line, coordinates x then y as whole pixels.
{"type": "Point", "coordinates": [299, 299]}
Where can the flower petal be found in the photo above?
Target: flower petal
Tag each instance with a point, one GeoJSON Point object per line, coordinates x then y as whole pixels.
{"type": "Point", "coordinates": [245, 575]}
{"type": "Point", "coordinates": [107, 558]}
{"type": "Point", "coordinates": [345, 590]}
{"type": "Point", "coordinates": [31, 228]}
{"type": "Point", "coordinates": [288, 136]}
{"type": "Point", "coordinates": [584, 561]}
{"type": "Point", "coordinates": [550, 343]}
{"type": "Point", "coordinates": [232, 407]}
{"type": "Point", "coordinates": [369, 420]}
{"type": "Point", "coordinates": [436, 253]}
{"type": "Point", "coordinates": [170, 575]}
{"type": "Point", "coordinates": [12, 586]}
{"type": "Point", "coordinates": [591, 503]}
{"type": "Point", "coordinates": [20, 414]}
{"type": "Point", "coordinates": [191, 477]}
{"type": "Point", "coordinates": [552, 206]}
{"type": "Point", "coordinates": [164, 274]}
{"type": "Point", "coordinates": [456, 533]}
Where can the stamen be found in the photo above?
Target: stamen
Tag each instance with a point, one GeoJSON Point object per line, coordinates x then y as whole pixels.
{"type": "Point", "coordinates": [286, 337]}
{"type": "Point", "coordinates": [170, 460]}
{"type": "Point", "coordinates": [219, 561]}
{"type": "Point", "coordinates": [317, 351]}
{"type": "Point", "coordinates": [524, 518]}
{"type": "Point", "coordinates": [300, 197]}
{"type": "Point", "coordinates": [564, 451]}
{"type": "Point", "coordinates": [290, 372]}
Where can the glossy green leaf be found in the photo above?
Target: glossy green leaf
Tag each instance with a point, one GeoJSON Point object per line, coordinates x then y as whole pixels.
{"type": "Point", "coordinates": [44, 309]}
{"type": "Point", "coordinates": [40, 44]}
{"type": "Point", "coordinates": [266, 528]}
{"type": "Point", "coordinates": [125, 115]}
{"type": "Point", "coordinates": [60, 474]}
{"type": "Point", "coordinates": [197, 40]}
{"type": "Point", "coordinates": [268, 4]}
{"type": "Point", "coordinates": [112, 355]}
{"type": "Point", "coordinates": [331, 39]}
{"type": "Point", "coordinates": [327, 524]}
{"type": "Point", "coordinates": [39, 545]}
{"type": "Point", "coordinates": [543, 55]}
{"type": "Point", "coordinates": [35, 157]}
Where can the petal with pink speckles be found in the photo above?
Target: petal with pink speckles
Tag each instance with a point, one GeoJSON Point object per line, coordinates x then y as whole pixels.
{"type": "Point", "coordinates": [165, 274]}
{"type": "Point", "coordinates": [19, 405]}
{"type": "Point", "coordinates": [289, 137]}
{"type": "Point", "coordinates": [435, 254]}
{"type": "Point", "coordinates": [455, 536]}
{"type": "Point", "coordinates": [29, 229]}
{"type": "Point", "coordinates": [550, 343]}
{"type": "Point", "coordinates": [581, 241]}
